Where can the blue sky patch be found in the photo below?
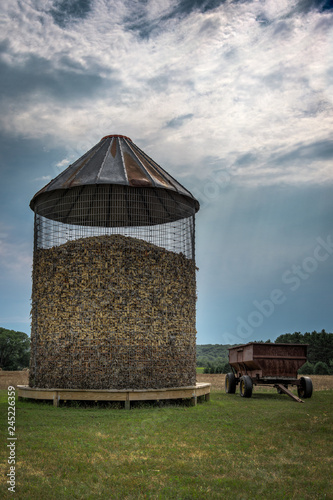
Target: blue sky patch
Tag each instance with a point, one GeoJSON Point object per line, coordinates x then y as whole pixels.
{"type": "Point", "coordinates": [178, 121]}
{"type": "Point", "coordinates": [66, 11]}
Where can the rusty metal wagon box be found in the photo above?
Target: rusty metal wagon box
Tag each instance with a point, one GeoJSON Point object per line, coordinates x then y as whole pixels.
{"type": "Point", "coordinates": [268, 360]}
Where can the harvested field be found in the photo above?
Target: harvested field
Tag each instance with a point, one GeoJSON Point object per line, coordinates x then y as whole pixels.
{"type": "Point", "coordinates": [112, 312]}
{"type": "Point", "coordinates": [320, 382]}
{"type": "Point", "coordinates": [13, 378]}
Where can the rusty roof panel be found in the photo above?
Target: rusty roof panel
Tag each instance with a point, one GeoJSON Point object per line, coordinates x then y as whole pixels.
{"type": "Point", "coordinates": [156, 176]}
{"type": "Point", "coordinates": [137, 176]}
{"type": "Point", "coordinates": [171, 182]}
{"type": "Point", "coordinates": [113, 148]}
{"type": "Point", "coordinates": [88, 173]}
{"type": "Point", "coordinates": [113, 166]}
{"type": "Point", "coordinates": [65, 178]}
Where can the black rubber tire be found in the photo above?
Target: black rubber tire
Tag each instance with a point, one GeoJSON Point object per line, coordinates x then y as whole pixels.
{"type": "Point", "coordinates": [245, 386]}
{"type": "Point", "coordinates": [230, 383]}
{"type": "Point", "coordinates": [305, 388]}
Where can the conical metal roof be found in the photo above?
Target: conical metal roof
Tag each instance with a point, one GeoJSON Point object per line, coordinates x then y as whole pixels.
{"type": "Point", "coordinates": [119, 163]}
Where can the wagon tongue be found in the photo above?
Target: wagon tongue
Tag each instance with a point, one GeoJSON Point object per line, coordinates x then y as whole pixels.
{"type": "Point", "coordinates": [289, 393]}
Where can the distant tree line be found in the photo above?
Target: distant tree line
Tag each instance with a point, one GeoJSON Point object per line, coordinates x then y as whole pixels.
{"type": "Point", "coordinates": [14, 350]}
{"type": "Point", "coordinates": [219, 368]}
{"type": "Point", "coordinates": [320, 351]}
{"type": "Point", "coordinates": [214, 357]}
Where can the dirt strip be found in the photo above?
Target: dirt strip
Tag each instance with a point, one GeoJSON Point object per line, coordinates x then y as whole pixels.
{"type": "Point", "coordinates": [320, 382]}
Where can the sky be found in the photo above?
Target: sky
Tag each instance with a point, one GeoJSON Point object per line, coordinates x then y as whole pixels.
{"type": "Point", "coordinates": [234, 98]}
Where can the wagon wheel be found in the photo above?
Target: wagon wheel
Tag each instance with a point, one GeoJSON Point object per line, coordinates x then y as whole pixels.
{"type": "Point", "coordinates": [305, 388]}
{"type": "Point", "coordinates": [245, 386]}
{"type": "Point", "coordinates": [230, 383]}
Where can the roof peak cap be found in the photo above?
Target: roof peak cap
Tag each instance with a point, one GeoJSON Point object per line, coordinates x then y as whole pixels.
{"type": "Point", "coordinates": [116, 135]}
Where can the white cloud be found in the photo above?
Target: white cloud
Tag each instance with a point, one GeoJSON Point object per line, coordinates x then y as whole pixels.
{"type": "Point", "coordinates": [255, 80]}
{"type": "Point", "coordinates": [63, 163]}
{"type": "Point", "coordinates": [44, 178]}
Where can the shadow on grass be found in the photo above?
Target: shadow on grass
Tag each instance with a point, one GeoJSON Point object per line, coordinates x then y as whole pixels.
{"type": "Point", "coordinates": [271, 396]}
{"type": "Point", "coordinates": [114, 405]}
{"type": "Point", "coordinates": [260, 396]}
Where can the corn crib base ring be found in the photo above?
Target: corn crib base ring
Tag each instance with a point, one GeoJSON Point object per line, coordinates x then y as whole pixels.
{"type": "Point", "coordinates": [126, 395]}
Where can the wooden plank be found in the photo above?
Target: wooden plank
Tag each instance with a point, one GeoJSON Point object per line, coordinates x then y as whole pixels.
{"type": "Point", "coordinates": [202, 385]}
{"type": "Point", "coordinates": [289, 393]}
{"type": "Point", "coordinates": [85, 395]}
{"type": "Point", "coordinates": [153, 395]}
{"type": "Point", "coordinates": [41, 394]}
{"type": "Point", "coordinates": [202, 391]}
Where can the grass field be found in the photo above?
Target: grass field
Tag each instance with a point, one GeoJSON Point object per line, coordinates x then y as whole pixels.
{"type": "Point", "coordinates": [266, 447]}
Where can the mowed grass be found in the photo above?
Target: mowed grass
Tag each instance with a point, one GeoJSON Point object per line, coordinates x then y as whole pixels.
{"type": "Point", "coordinates": [266, 447]}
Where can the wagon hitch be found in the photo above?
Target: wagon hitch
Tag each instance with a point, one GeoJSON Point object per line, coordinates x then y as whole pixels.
{"type": "Point", "coordinates": [284, 389]}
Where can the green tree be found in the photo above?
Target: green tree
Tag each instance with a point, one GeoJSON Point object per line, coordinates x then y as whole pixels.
{"type": "Point", "coordinates": [330, 366]}
{"type": "Point", "coordinates": [226, 368]}
{"type": "Point", "coordinates": [215, 354]}
{"type": "Point", "coordinates": [200, 362]}
{"type": "Point", "coordinates": [290, 338]}
{"type": "Point", "coordinates": [321, 368]}
{"type": "Point", "coordinates": [320, 344]}
{"type": "Point", "coordinates": [14, 350]}
{"type": "Point", "coordinates": [306, 369]}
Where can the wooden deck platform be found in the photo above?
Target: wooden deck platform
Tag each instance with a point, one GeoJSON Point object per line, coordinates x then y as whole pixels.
{"type": "Point", "coordinates": [126, 395]}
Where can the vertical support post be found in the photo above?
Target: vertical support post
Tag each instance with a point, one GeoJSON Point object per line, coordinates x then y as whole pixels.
{"type": "Point", "coordinates": [127, 404]}
{"type": "Point", "coordinates": [207, 397]}
{"type": "Point", "coordinates": [55, 399]}
{"type": "Point", "coordinates": [194, 400]}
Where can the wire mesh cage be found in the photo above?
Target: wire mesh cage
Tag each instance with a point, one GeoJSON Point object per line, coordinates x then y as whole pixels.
{"type": "Point", "coordinates": [114, 287]}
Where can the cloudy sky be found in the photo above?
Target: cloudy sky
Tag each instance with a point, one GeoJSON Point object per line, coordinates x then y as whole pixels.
{"type": "Point", "coordinates": [233, 97]}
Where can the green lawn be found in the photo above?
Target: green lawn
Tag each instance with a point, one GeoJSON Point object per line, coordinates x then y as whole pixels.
{"type": "Point", "coordinates": [266, 447]}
